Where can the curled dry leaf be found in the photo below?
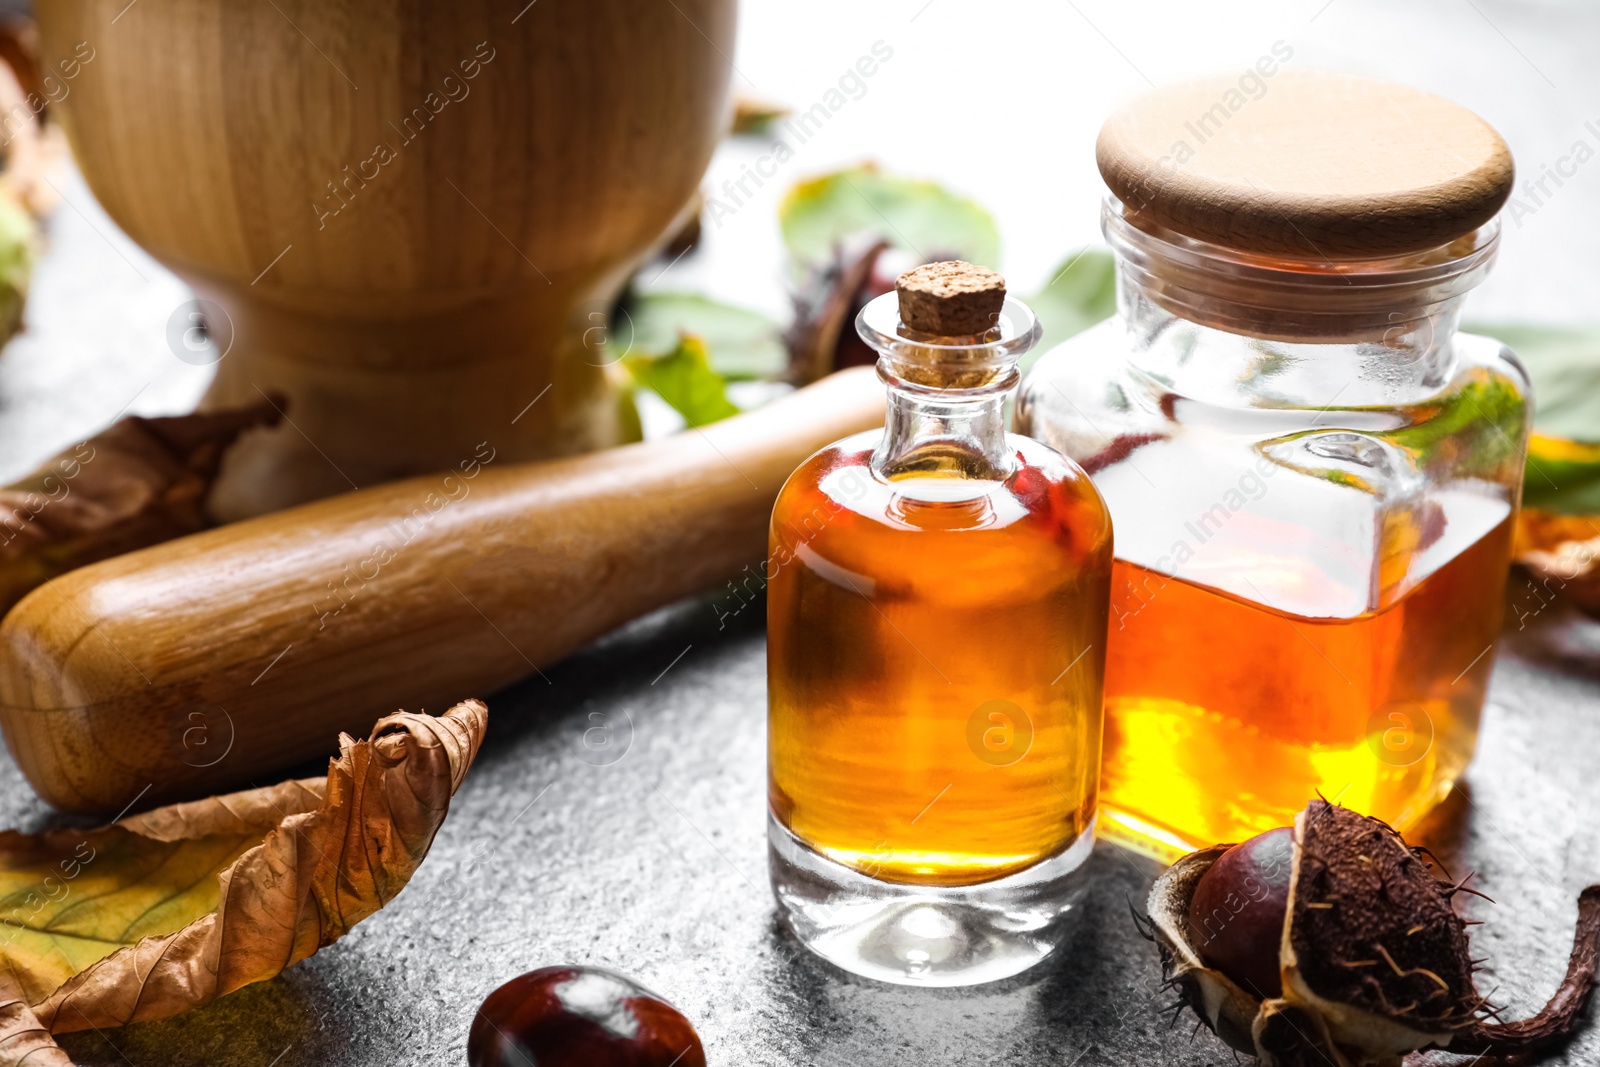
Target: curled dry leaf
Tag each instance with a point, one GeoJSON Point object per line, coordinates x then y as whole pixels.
{"type": "Point", "coordinates": [170, 909]}
{"type": "Point", "coordinates": [1561, 553]}
{"type": "Point", "coordinates": [137, 483]}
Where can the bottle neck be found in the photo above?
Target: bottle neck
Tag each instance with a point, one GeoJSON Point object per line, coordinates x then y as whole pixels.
{"type": "Point", "coordinates": [953, 434]}
{"type": "Point", "coordinates": [946, 415]}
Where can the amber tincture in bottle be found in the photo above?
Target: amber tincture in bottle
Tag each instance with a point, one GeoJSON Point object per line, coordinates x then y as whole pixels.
{"type": "Point", "coordinates": [1313, 473]}
{"type": "Point", "coordinates": [936, 634]}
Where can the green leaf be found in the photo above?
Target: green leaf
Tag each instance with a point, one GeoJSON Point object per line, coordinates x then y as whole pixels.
{"type": "Point", "coordinates": [864, 204]}
{"type": "Point", "coordinates": [1563, 476]}
{"type": "Point", "coordinates": [1564, 363]}
{"type": "Point", "coordinates": [1563, 473]}
{"type": "Point", "coordinates": [743, 344]}
{"type": "Point", "coordinates": [684, 378]}
{"type": "Point", "coordinates": [1472, 430]}
{"type": "Point", "coordinates": [1081, 292]}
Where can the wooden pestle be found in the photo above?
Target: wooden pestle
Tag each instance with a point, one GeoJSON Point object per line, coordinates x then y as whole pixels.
{"type": "Point", "coordinates": [214, 660]}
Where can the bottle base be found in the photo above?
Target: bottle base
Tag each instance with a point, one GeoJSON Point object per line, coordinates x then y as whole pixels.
{"type": "Point", "coordinates": [924, 935]}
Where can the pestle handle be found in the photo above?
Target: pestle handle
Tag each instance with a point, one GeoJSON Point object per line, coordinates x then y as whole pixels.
{"type": "Point", "coordinates": [213, 660]}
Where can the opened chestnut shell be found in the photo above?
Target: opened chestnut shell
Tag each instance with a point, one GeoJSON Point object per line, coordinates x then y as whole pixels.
{"type": "Point", "coordinates": [1372, 960]}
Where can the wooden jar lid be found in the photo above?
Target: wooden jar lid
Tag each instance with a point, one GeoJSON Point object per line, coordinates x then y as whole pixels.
{"type": "Point", "coordinates": [1319, 165]}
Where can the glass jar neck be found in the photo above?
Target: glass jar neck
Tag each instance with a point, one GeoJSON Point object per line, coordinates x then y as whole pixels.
{"type": "Point", "coordinates": [1412, 361]}
{"type": "Point", "coordinates": [1212, 322]}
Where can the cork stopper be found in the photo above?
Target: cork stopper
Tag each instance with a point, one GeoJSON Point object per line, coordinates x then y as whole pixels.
{"type": "Point", "coordinates": [950, 299]}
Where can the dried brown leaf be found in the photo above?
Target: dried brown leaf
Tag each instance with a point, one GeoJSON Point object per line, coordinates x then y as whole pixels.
{"type": "Point", "coordinates": [170, 909]}
{"type": "Point", "coordinates": [1563, 553]}
{"type": "Point", "coordinates": [137, 483]}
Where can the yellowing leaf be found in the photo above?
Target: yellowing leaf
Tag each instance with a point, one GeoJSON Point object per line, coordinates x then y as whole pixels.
{"type": "Point", "coordinates": [173, 908]}
{"type": "Point", "coordinates": [19, 241]}
{"type": "Point", "coordinates": [683, 378]}
{"type": "Point", "coordinates": [741, 344]}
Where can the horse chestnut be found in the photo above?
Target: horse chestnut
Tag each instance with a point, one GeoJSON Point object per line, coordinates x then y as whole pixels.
{"type": "Point", "coordinates": [1237, 911]}
{"type": "Point", "coordinates": [580, 1017]}
{"type": "Point", "coordinates": [1336, 942]}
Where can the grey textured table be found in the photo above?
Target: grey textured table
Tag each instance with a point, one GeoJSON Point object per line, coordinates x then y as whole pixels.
{"type": "Point", "coordinates": [654, 863]}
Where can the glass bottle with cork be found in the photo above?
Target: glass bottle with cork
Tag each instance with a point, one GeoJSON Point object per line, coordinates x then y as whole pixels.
{"type": "Point", "coordinates": [1312, 472]}
{"type": "Point", "coordinates": [936, 631]}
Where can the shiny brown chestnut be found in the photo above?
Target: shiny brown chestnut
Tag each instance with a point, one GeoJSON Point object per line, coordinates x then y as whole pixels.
{"type": "Point", "coordinates": [574, 1016]}
{"type": "Point", "coordinates": [1237, 911]}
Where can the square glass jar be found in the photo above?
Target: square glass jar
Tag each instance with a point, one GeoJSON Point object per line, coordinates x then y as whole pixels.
{"type": "Point", "coordinates": [1313, 477]}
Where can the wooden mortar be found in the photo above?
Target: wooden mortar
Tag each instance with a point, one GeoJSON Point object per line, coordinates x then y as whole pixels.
{"type": "Point", "coordinates": [411, 215]}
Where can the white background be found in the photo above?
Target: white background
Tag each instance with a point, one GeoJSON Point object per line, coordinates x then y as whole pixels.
{"type": "Point", "coordinates": [1000, 99]}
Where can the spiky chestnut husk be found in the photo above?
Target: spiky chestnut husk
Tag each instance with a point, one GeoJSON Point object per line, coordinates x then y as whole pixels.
{"type": "Point", "coordinates": [1373, 959]}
